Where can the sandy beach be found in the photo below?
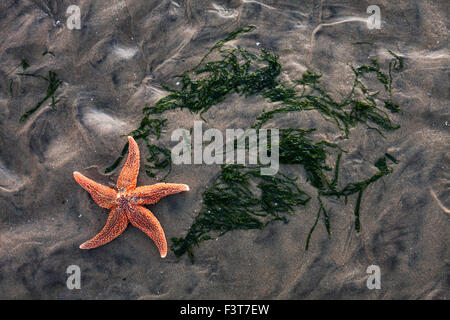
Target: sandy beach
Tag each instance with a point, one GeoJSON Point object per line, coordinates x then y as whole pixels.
{"type": "Point", "coordinates": [115, 65]}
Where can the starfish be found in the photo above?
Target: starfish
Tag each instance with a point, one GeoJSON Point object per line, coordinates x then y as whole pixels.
{"type": "Point", "coordinates": [126, 203]}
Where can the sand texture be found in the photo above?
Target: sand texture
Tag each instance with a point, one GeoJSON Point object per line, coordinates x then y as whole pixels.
{"type": "Point", "coordinates": [114, 66]}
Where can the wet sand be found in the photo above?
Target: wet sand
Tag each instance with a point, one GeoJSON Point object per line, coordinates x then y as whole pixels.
{"type": "Point", "coordinates": [115, 65]}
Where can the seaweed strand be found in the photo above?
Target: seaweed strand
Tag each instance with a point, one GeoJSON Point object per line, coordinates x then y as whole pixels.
{"type": "Point", "coordinates": [53, 84]}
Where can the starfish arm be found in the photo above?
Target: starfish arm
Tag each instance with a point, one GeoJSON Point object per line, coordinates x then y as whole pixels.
{"type": "Point", "coordinates": [101, 194]}
{"type": "Point", "coordinates": [128, 176]}
{"type": "Point", "coordinates": [115, 225]}
{"type": "Point", "coordinates": [152, 194]}
{"type": "Point", "coordinates": [143, 219]}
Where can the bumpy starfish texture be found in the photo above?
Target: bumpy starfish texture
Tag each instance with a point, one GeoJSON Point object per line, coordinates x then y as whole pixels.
{"type": "Point", "coordinates": [126, 203]}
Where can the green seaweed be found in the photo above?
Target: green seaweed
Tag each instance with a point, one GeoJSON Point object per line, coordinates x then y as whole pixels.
{"type": "Point", "coordinates": [323, 212]}
{"type": "Point", "coordinates": [159, 157]}
{"type": "Point", "coordinates": [398, 62]}
{"type": "Point", "coordinates": [345, 114]}
{"type": "Point", "coordinates": [118, 160]}
{"type": "Point", "coordinates": [53, 84]}
{"type": "Point", "coordinates": [11, 86]}
{"type": "Point", "coordinates": [48, 52]}
{"type": "Point", "coordinates": [24, 65]}
{"type": "Point", "coordinates": [233, 204]}
{"type": "Point", "coordinates": [362, 42]}
{"type": "Point", "coordinates": [296, 148]}
{"type": "Point", "coordinates": [240, 197]}
{"type": "Point", "coordinates": [360, 187]}
{"type": "Point", "coordinates": [148, 127]}
{"type": "Point", "coordinates": [215, 80]}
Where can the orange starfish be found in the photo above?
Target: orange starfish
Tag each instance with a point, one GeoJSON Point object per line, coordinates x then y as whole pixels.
{"type": "Point", "coordinates": [126, 204]}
